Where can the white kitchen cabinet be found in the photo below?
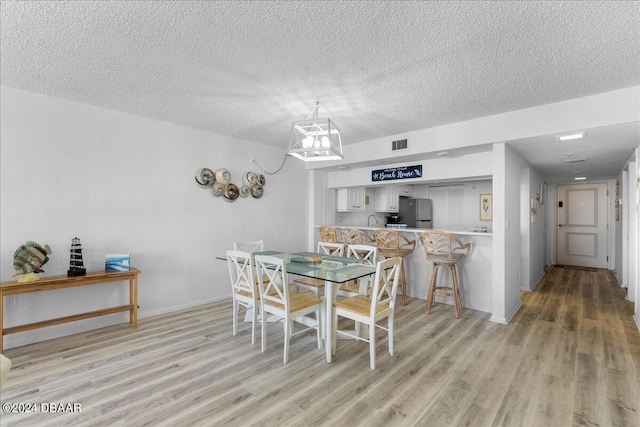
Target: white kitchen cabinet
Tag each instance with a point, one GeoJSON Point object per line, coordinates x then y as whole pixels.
{"type": "Point", "coordinates": [406, 190]}
{"type": "Point", "coordinates": [387, 199]}
{"type": "Point", "coordinates": [350, 199]}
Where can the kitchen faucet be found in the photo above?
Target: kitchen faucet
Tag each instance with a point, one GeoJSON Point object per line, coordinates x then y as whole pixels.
{"type": "Point", "coordinates": [369, 220]}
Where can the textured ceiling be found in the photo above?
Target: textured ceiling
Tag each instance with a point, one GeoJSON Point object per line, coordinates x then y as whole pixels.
{"type": "Point", "coordinates": [247, 69]}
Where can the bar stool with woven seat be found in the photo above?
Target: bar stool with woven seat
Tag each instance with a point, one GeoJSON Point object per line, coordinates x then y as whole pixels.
{"type": "Point", "coordinates": [393, 244]}
{"type": "Point", "coordinates": [355, 236]}
{"type": "Point", "coordinates": [328, 234]}
{"type": "Point", "coordinates": [442, 248]}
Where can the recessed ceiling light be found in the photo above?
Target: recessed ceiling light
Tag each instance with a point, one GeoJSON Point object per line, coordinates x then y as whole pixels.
{"type": "Point", "coordinates": [444, 154]}
{"type": "Point", "coordinates": [571, 136]}
{"type": "Point", "coordinates": [580, 178]}
{"type": "Point", "coordinates": [343, 167]}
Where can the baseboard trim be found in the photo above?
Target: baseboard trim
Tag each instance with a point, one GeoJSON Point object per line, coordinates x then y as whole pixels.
{"type": "Point", "coordinates": [501, 320]}
{"type": "Point", "coordinates": [85, 325]}
{"type": "Point", "coordinates": [142, 315]}
{"type": "Point", "coordinates": [514, 311]}
{"type": "Point", "coordinates": [505, 320]}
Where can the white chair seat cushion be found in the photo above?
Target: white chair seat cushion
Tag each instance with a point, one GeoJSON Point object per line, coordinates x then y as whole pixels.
{"type": "Point", "coordinates": [358, 304]}
{"type": "Point", "coordinates": [297, 302]}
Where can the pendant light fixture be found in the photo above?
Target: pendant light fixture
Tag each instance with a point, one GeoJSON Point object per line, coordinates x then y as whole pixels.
{"type": "Point", "coordinates": [315, 139]}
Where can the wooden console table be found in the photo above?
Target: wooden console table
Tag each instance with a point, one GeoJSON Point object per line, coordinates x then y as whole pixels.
{"type": "Point", "coordinates": [60, 282]}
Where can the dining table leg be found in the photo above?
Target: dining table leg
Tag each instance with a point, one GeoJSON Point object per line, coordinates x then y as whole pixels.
{"type": "Point", "coordinates": [330, 290]}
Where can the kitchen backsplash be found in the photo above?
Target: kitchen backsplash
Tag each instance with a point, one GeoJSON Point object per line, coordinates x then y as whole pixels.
{"type": "Point", "coordinates": [361, 219]}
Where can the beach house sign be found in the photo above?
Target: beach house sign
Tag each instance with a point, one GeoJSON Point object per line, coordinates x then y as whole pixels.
{"type": "Point", "coordinates": [404, 172]}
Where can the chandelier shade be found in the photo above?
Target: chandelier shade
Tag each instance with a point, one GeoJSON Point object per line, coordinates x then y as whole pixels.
{"type": "Point", "coordinates": [315, 139]}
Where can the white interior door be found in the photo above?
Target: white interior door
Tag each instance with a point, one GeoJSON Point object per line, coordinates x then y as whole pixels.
{"type": "Point", "coordinates": [581, 232]}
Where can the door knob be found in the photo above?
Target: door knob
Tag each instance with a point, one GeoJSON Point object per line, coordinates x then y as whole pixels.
{"type": "Point", "coordinates": [560, 225]}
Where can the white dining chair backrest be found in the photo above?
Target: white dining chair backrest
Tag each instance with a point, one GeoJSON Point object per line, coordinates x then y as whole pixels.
{"type": "Point", "coordinates": [330, 248]}
{"type": "Point", "coordinates": [241, 271]}
{"type": "Point", "coordinates": [365, 253]}
{"type": "Point", "coordinates": [274, 269]}
{"type": "Point", "coordinates": [244, 288]}
{"type": "Point", "coordinates": [385, 286]}
{"type": "Point", "coordinates": [249, 246]}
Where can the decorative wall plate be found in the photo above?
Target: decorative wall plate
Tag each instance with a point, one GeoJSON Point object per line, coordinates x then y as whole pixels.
{"type": "Point", "coordinates": [223, 176]}
{"type": "Point", "coordinates": [230, 193]}
{"type": "Point", "coordinates": [219, 184]}
{"type": "Point", "coordinates": [205, 178]}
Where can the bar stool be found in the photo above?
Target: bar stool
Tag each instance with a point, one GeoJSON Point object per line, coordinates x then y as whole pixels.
{"type": "Point", "coordinates": [355, 236]}
{"type": "Point", "coordinates": [328, 234]}
{"type": "Point", "coordinates": [440, 249]}
{"type": "Point", "coordinates": [392, 244]}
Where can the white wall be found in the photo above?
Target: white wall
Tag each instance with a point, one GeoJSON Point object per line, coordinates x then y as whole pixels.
{"type": "Point", "coordinates": [321, 205]}
{"type": "Point", "coordinates": [632, 199]}
{"type": "Point", "coordinates": [452, 168]}
{"type": "Point", "coordinates": [125, 184]}
{"type": "Point", "coordinates": [507, 247]}
{"type": "Point", "coordinates": [532, 233]}
{"type": "Point", "coordinates": [470, 215]}
{"type": "Point", "coordinates": [633, 233]}
{"type": "Point", "coordinates": [635, 269]}
{"type": "Point", "coordinates": [620, 227]}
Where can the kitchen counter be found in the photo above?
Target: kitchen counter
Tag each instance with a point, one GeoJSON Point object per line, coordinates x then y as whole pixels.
{"type": "Point", "coordinates": [474, 273]}
{"type": "Point", "coordinates": [420, 230]}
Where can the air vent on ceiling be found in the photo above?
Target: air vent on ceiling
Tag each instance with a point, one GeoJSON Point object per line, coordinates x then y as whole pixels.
{"type": "Point", "coordinates": [400, 144]}
{"type": "Point", "coordinates": [575, 160]}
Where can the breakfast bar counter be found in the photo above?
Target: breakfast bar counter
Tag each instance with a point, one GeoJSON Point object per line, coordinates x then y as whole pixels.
{"type": "Point", "coordinates": [474, 273]}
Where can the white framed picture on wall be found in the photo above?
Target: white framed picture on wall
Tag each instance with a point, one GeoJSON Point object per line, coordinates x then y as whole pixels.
{"type": "Point", "coordinates": [486, 207]}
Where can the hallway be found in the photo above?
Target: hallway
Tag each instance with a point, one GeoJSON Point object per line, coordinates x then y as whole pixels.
{"type": "Point", "coordinates": [583, 349]}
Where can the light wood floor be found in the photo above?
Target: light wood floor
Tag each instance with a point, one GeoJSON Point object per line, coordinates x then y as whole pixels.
{"type": "Point", "coordinates": [571, 356]}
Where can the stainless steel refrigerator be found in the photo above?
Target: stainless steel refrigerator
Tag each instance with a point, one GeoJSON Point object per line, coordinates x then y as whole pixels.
{"type": "Point", "coordinates": [416, 213]}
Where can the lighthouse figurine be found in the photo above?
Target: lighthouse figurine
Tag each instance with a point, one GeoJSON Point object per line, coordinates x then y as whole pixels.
{"type": "Point", "coordinates": [76, 264]}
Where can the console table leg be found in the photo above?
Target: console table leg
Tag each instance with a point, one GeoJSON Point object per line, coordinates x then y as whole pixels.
{"type": "Point", "coordinates": [133, 300]}
{"type": "Point", "coordinates": [1, 322]}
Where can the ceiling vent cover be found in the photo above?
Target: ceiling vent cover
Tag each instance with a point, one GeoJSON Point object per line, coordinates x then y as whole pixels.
{"type": "Point", "coordinates": [575, 160]}
{"type": "Point", "coordinates": [400, 144]}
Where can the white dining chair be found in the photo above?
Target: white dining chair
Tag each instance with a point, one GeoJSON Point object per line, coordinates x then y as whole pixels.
{"type": "Point", "coordinates": [249, 246]}
{"type": "Point", "coordinates": [366, 254]}
{"type": "Point", "coordinates": [371, 310]}
{"type": "Point", "coordinates": [292, 307]}
{"type": "Point", "coordinates": [316, 285]}
{"type": "Point", "coordinates": [245, 290]}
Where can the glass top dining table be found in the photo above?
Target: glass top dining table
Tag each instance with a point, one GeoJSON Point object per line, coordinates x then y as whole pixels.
{"type": "Point", "coordinates": [334, 270]}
